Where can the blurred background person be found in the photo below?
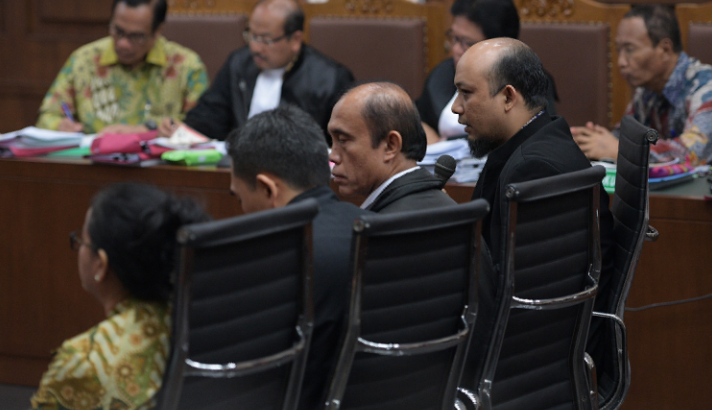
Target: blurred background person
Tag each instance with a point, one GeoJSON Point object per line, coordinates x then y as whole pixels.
{"type": "Point", "coordinates": [125, 259]}
{"type": "Point", "coordinates": [472, 22]}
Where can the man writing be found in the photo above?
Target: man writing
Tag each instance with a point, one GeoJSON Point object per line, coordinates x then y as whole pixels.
{"type": "Point", "coordinates": [279, 158]}
{"type": "Point", "coordinates": [377, 139]}
{"type": "Point", "coordinates": [275, 68]}
{"type": "Point", "coordinates": [126, 82]}
{"type": "Point", "coordinates": [673, 91]}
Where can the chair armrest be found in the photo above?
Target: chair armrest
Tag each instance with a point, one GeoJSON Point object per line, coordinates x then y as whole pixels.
{"type": "Point", "coordinates": [194, 368]}
{"type": "Point", "coordinates": [466, 400]}
{"type": "Point", "coordinates": [651, 234]}
{"type": "Point", "coordinates": [616, 399]}
{"type": "Point", "coordinates": [557, 303]}
{"type": "Point", "coordinates": [591, 380]}
{"type": "Point", "coordinates": [405, 349]}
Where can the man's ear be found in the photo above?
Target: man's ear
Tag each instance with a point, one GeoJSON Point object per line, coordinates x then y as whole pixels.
{"type": "Point", "coordinates": [296, 41]}
{"type": "Point", "coordinates": [159, 30]}
{"type": "Point", "coordinates": [393, 145]}
{"type": "Point", "coordinates": [665, 46]}
{"type": "Point", "coordinates": [269, 186]}
{"type": "Point", "coordinates": [511, 96]}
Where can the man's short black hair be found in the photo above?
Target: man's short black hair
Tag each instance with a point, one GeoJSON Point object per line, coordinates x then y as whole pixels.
{"type": "Point", "coordinates": [285, 142]}
{"type": "Point", "coordinates": [520, 67]}
{"type": "Point", "coordinates": [160, 7]}
{"type": "Point", "coordinates": [388, 108]}
{"type": "Point", "coordinates": [661, 23]}
{"type": "Point", "coordinates": [496, 18]}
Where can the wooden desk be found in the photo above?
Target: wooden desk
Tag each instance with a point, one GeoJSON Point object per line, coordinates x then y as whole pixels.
{"type": "Point", "coordinates": [42, 303]}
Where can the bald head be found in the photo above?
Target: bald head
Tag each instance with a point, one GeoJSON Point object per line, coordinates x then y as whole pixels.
{"type": "Point", "coordinates": [508, 61]}
{"type": "Point", "coordinates": [387, 107]}
{"type": "Point", "coordinates": [501, 86]}
{"type": "Point", "coordinates": [289, 10]}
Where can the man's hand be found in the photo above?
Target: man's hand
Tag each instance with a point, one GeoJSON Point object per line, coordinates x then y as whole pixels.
{"type": "Point", "coordinates": [68, 125]}
{"type": "Point", "coordinates": [167, 127]}
{"type": "Point", "coordinates": [596, 142]}
{"type": "Point", "coordinates": [122, 129]}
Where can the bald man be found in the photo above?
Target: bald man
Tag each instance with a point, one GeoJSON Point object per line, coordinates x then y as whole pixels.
{"type": "Point", "coordinates": [377, 140]}
{"type": "Point", "coordinates": [501, 101]}
{"type": "Point", "coordinates": [275, 68]}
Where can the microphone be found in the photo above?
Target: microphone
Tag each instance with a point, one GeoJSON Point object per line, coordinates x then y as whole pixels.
{"type": "Point", "coordinates": [444, 168]}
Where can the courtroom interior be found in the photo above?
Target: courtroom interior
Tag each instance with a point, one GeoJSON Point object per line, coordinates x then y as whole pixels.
{"type": "Point", "coordinates": [362, 204]}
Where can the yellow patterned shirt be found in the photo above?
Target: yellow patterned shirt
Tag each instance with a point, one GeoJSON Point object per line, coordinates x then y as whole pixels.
{"type": "Point", "coordinates": [116, 365]}
{"type": "Point", "coordinates": [100, 91]}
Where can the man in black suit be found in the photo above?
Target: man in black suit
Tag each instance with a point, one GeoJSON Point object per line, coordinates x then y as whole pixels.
{"type": "Point", "coordinates": [377, 140]}
{"type": "Point", "coordinates": [502, 99]}
{"type": "Point", "coordinates": [280, 157]}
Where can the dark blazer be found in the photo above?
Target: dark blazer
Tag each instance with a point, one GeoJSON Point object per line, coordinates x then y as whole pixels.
{"type": "Point", "coordinates": [331, 232]}
{"type": "Point", "coordinates": [413, 191]}
{"type": "Point", "coordinates": [313, 83]}
{"type": "Point", "coordinates": [440, 87]}
{"type": "Point", "coordinates": [543, 148]}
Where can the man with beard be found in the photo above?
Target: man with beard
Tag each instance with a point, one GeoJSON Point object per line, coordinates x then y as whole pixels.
{"type": "Point", "coordinates": [501, 101]}
{"type": "Point", "coordinates": [273, 69]}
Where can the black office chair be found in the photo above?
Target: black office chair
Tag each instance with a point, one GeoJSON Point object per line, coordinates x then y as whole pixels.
{"type": "Point", "coordinates": [530, 353]}
{"type": "Point", "coordinates": [413, 302]}
{"type": "Point", "coordinates": [243, 313]}
{"type": "Point", "coordinates": [607, 342]}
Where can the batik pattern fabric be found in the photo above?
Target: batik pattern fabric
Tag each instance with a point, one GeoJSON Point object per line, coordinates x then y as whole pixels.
{"type": "Point", "coordinates": [682, 114]}
{"type": "Point", "coordinates": [116, 365]}
{"type": "Point", "coordinates": [100, 91]}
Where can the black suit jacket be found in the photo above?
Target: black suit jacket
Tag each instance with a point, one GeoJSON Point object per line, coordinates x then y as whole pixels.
{"type": "Point", "coordinates": [313, 84]}
{"type": "Point", "coordinates": [331, 232]}
{"type": "Point", "coordinates": [413, 191]}
{"type": "Point", "coordinates": [543, 148]}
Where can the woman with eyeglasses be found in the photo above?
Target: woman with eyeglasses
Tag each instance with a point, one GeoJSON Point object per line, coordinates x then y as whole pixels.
{"type": "Point", "coordinates": [126, 253]}
{"type": "Point", "coordinates": [472, 21]}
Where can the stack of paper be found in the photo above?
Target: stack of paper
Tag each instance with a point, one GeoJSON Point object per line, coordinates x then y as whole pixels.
{"type": "Point", "coordinates": [32, 141]}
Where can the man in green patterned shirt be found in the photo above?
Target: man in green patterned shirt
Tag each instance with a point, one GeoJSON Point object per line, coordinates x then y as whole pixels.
{"type": "Point", "coordinates": [128, 81]}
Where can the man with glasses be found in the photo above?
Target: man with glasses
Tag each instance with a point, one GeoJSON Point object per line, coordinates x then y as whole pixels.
{"type": "Point", "coordinates": [673, 90]}
{"type": "Point", "coordinates": [126, 82]}
{"type": "Point", "coordinates": [472, 22]}
{"type": "Point", "coordinates": [275, 68]}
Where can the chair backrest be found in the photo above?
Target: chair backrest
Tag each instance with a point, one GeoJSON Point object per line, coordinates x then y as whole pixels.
{"type": "Point", "coordinates": [413, 303]}
{"type": "Point", "coordinates": [589, 71]}
{"type": "Point", "coordinates": [544, 297]}
{"type": "Point", "coordinates": [243, 313]}
{"type": "Point", "coordinates": [695, 29]}
{"type": "Point", "coordinates": [212, 36]}
{"type": "Point", "coordinates": [630, 224]}
{"type": "Point", "coordinates": [393, 40]}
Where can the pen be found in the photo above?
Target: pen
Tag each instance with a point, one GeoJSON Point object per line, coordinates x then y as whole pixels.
{"type": "Point", "coordinates": [67, 112]}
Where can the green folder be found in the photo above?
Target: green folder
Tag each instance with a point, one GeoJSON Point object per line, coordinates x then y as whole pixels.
{"type": "Point", "coordinates": [192, 157]}
{"type": "Point", "coordinates": [71, 153]}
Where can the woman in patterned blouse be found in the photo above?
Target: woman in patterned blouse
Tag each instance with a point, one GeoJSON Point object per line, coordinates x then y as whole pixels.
{"type": "Point", "coordinates": [126, 256]}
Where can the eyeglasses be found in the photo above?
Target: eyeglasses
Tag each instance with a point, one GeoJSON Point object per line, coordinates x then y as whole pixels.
{"type": "Point", "coordinates": [261, 39]}
{"type": "Point", "coordinates": [137, 39]}
{"type": "Point", "coordinates": [75, 242]}
{"type": "Point", "coordinates": [465, 43]}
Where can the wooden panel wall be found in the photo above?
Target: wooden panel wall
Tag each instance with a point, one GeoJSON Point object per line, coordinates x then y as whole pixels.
{"type": "Point", "coordinates": [36, 38]}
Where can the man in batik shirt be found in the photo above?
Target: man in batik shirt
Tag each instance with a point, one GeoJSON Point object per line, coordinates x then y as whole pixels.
{"type": "Point", "coordinates": [128, 81]}
{"type": "Point", "coordinates": [673, 94]}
